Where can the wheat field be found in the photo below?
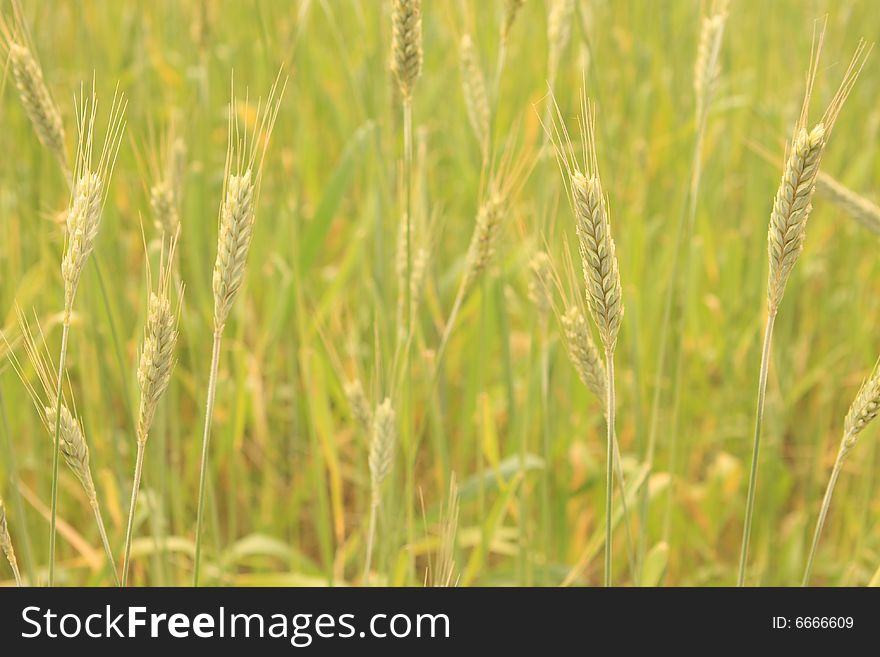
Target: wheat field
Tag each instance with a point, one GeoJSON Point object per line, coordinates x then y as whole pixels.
{"type": "Point", "coordinates": [343, 281]}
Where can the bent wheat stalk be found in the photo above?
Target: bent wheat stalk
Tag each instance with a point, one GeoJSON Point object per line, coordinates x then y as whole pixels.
{"type": "Point", "coordinates": [786, 234]}
{"type": "Point", "coordinates": [863, 410]}
{"type": "Point", "coordinates": [153, 375]}
{"type": "Point", "coordinates": [70, 442]}
{"type": "Point", "coordinates": [245, 156]}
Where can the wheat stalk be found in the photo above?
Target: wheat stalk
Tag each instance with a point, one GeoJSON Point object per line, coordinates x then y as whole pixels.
{"type": "Point", "coordinates": [788, 221]}
{"type": "Point", "coordinates": [83, 221]}
{"type": "Point", "coordinates": [587, 362]}
{"type": "Point", "coordinates": [406, 65]}
{"type": "Point", "coordinates": [6, 544]}
{"type": "Point", "coordinates": [599, 264]}
{"type": "Point", "coordinates": [864, 408]}
{"type": "Point", "coordinates": [382, 446]}
{"type": "Point", "coordinates": [153, 375]}
{"type": "Point", "coordinates": [858, 207]}
{"type": "Point", "coordinates": [706, 74]}
{"type": "Point", "coordinates": [245, 156]}
{"type": "Point", "coordinates": [41, 109]}
{"type": "Point", "coordinates": [476, 96]}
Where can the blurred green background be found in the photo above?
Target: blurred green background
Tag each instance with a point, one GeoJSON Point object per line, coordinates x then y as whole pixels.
{"type": "Point", "coordinates": [289, 483]}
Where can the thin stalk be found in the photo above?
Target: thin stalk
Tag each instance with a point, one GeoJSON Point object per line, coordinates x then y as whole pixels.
{"type": "Point", "coordinates": [447, 331]}
{"type": "Point", "coordinates": [16, 573]}
{"type": "Point", "coordinates": [545, 451]}
{"type": "Point", "coordinates": [609, 463]}
{"type": "Point", "coordinates": [103, 532]}
{"type": "Point", "coordinates": [409, 485]}
{"type": "Point", "coordinates": [759, 419]}
{"type": "Point", "coordinates": [371, 535]}
{"type": "Point", "coordinates": [206, 438]}
{"type": "Point", "coordinates": [56, 450]}
{"type": "Point", "coordinates": [114, 336]}
{"type": "Point", "coordinates": [621, 484]}
{"type": "Point", "coordinates": [826, 503]}
{"type": "Point", "coordinates": [135, 487]}
{"type": "Point", "coordinates": [12, 473]}
{"type": "Point", "coordinates": [502, 55]}
{"type": "Point", "coordinates": [684, 230]}
{"type": "Point", "coordinates": [678, 337]}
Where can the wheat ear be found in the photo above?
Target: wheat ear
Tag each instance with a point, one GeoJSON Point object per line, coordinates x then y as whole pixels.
{"type": "Point", "coordinates": [168, 167]}
{"type": "Point", "coordinates": [788, 221]}
{"type": "Point", "coordinates": [382, 446]}
{"type": "Point", "coordinates": [476, 96]}
{"type": "Point", "coordinates": [508, 18]}
{"type": "Point", "coordinates": [358, 404]}
{"type": "Point", "coordinates": [41, 109]}
{"type": "Point", "coordinates": [153, 375]}
{"type": "Point", "coordinates": [6, 544]}
{"type": "Point", "coordinates": [245, 156]}
{"type": "Point", "coordinates": [864, 409]}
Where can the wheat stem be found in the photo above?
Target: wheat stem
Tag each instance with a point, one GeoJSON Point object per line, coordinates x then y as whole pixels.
{"type": "Point", "coordinates": [371, 535]}
{"type": "Point", "coordinates": [609, 463]}
{"type": "Point", "coordinates": [823, 512]}
{"type": "Point", "coordinates": [135, 487]}
{"type": "Point", "coordinates": [104, 542]}
{"type": "Point", "coordinates": [753, 473]}
{"type": "Point", "coordinates": [209, 409]}
{"type": "Point", "coordinates": [56, 450]}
